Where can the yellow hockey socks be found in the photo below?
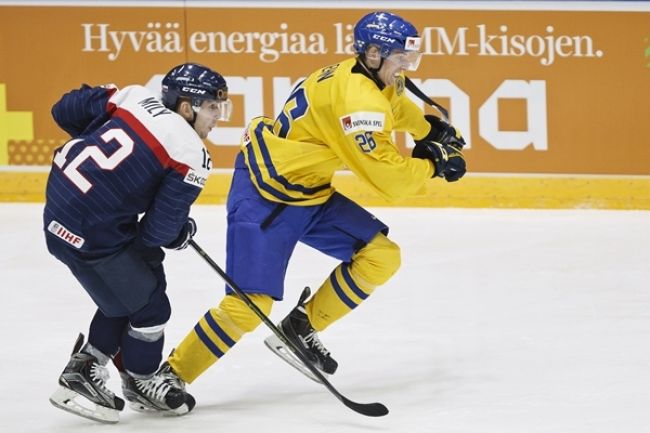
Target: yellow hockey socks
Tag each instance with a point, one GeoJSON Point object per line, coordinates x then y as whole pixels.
{"type": "Point", "coordinates": [216, 333]}
{"type": "Point", "coordinates": [350, 283]}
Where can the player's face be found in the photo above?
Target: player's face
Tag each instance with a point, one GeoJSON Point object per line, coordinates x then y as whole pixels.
{"type": "Point", "coordinates": [398, 62]}
{"type": "Point", "coordinates": [208, 114]}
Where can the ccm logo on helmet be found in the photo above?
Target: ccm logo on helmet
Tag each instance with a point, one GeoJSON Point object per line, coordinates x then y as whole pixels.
{"type": "Point", "coordinates": [383, 38]}
{"type": "Point", "coordinates": [193, 90]}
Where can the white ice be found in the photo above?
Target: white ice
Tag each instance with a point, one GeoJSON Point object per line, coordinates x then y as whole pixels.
{"type": "Point", "coordinates": [499, 321]}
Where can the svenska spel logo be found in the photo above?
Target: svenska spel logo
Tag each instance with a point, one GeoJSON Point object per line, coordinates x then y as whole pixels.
{"type": "Point", "coordinates": [346, 122]}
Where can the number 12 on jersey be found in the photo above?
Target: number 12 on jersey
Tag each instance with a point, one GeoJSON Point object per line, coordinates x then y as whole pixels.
{"type": "Point", "coordinates": [95, 153]}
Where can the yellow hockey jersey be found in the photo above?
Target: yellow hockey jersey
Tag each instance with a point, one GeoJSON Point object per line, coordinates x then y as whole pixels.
{"type": "Point", "coordinates": [337, 117]}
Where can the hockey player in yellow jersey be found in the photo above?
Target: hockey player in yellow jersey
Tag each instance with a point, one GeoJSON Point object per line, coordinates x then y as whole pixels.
{"type": "Point", "coordinates": [340, 116]}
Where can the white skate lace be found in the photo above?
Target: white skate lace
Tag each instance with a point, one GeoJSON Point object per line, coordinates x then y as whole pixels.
{"type": "Point", "coordinates": [315, 342]}
{"type": "Point", "coordinates": [156, 387]}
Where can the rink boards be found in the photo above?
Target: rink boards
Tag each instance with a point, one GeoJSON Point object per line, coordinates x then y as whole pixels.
{"type": "Point", "coordinates": [474, 191]}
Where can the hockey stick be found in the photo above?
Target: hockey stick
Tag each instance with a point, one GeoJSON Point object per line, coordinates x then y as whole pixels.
{"type": "Point", "coordinates": [420, 94]}
{"type": "Point", "coordinates": [368, 409]}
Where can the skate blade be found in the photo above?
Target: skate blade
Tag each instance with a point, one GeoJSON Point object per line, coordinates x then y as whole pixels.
{"type": "Point", "coordinates": [179, 411]}
{"type": "Point", "coordinates": [65, 399]}
{"type": "Point", "coordinates": [286, 354]}
{"type": "Point", "coordinates": [139, 407]}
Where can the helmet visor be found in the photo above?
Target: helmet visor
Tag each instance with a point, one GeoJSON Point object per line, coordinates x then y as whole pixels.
{"type": "Point", "coordinates": [218, 110]}
{"type": "Point", "coordinates": [407, 60]}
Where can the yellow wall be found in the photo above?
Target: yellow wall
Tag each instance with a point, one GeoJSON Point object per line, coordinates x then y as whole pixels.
{"type": "Point", "coordinates": [552, 192]}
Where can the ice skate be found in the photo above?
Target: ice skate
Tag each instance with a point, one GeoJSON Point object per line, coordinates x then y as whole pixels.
{"type": "Point", "coordinates": [83, 389]}
{"type": "Point", "coordinates": [163, 393]}
{"type": "Point", "coordinates": [296, 327]}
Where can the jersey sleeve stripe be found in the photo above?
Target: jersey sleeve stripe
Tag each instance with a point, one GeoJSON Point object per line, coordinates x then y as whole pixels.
{"type": "Point", "coordinates": [267, 172]}
{"type": "Point", "coordinates": [273, 172]}
{"type": "Point", "coordinates": [254, 167]}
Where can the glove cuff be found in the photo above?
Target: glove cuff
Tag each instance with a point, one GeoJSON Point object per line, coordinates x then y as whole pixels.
{"type": "Point", "coordinates": [432, 151]}
{"type": "Point", "coordinates": [438, 130]}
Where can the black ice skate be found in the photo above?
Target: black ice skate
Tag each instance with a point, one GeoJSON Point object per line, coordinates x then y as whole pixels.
{"type": "Point", "coordinates": [85, 378]}
{"type": "Point", "coordinates": [163, 393]}
{"type": "Point", "coordinates": [296, 327]}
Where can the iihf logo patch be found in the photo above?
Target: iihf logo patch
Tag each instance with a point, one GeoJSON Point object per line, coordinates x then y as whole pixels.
{"type": "Point", "coordinates": [61, 232]}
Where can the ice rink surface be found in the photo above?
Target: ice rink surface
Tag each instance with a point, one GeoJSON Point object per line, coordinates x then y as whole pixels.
{"type": "Point", "coordinates": [499, 321]}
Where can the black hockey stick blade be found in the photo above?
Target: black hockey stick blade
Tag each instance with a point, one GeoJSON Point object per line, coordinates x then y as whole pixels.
{"type": "Point", "coordinates": [368, 409]}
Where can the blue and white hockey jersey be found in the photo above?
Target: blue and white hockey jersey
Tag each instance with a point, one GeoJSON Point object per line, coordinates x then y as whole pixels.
{"type": "Point", "coordinates": [129, 156]}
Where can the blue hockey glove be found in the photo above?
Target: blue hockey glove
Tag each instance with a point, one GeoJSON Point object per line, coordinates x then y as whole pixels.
{"type": "Point", "coordinates": [443, 133]}
{"type": "Point", "coordinates": [182, 240]}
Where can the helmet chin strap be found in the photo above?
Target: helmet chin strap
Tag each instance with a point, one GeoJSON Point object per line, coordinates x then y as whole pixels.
{"type": "Point", "coordinates": [374, 72]}
{"type": "Point", "coordinates": [195, 112]}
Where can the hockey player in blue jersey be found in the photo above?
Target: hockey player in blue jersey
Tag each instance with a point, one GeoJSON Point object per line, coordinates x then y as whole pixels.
{"type": "Point", "coordinates": [118, 191]}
